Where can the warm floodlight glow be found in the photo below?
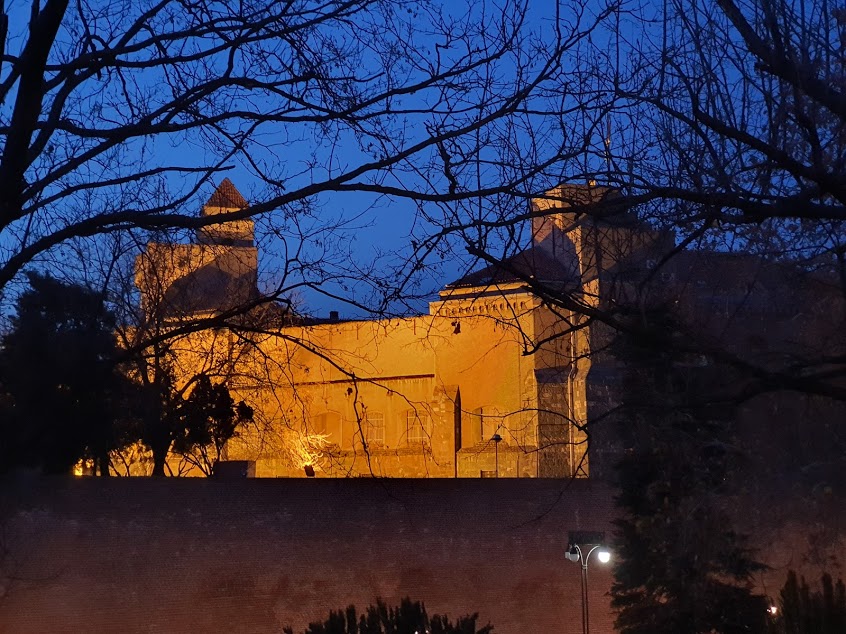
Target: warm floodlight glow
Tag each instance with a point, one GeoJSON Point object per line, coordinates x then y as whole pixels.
{"type": "Point", "coordinates": [604, 556]}
{"type": "Point", "coordinates": [306, 450]}
{"type": "Point", "coordinates": [84, 467]}
{"type": "Point", "coordinates": [773, 610]}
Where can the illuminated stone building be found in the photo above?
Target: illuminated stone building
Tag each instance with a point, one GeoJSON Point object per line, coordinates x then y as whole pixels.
{"type": "Point", "coordinates": [454, 393]}
{"type": "Point", "coordinates": [465, 390]}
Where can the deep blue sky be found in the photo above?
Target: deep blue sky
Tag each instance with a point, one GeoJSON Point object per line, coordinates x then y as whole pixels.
{"type": "Point", "coordinates": [376, 231]}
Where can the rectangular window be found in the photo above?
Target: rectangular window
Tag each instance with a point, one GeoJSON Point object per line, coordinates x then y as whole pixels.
{"type": "Point", "coordinates": [374, 428]}
{"type": "Point", "coordinates": [417, 428]}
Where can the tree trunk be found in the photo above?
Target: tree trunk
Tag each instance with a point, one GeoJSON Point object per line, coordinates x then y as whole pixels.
{"type": "Point", "coordinates": [103, 462]}
{"type": "Point", "coordinates": [160, 448]}
{"type": "Point", "coordinates": [159, 459]}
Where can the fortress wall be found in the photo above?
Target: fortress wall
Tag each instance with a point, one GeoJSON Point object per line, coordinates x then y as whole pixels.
{"type": "Point", "coordinates": [138, 555]}
{"type": "Point", "coordinates": [142, 555]}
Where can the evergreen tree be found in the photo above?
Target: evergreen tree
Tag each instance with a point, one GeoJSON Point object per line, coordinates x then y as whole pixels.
{"type": "Point", "coordinates": [679, 566]}
{"type": "Point", "coordinates": [193, 418]}
{"type": "Point", "coordinates": [409, 618]}
{"type": "Point", "coordinates": [62, 388]}
{"type": "Point", "coordinates": [805, 612]}
{"type": "Point", "coordinates": [209, 419]}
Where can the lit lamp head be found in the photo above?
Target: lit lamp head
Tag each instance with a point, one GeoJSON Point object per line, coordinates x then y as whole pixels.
{"type": "Point", "coordinates": [581, 545]}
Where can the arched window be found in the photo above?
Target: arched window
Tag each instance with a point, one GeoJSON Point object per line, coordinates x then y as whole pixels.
{"type": "Point", "coordinates": [374, 428]}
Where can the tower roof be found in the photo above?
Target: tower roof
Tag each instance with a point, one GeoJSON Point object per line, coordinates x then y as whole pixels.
{"type": "Point", "coordinates": [227, 196]}
{"type": "Point", "coordinates": [609, 206]}
{"type": "Point", "coordinates": [533, 263]}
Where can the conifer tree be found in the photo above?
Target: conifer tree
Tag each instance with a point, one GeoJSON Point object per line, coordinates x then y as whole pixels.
{"type": "Point", "coordinates": [805, 612]}
{"type": "Point", "coordinates": [61, 384]}
{"type": "Point", "coordinates": [680, 567]}
{"type": "Point", "coordinates": [210, 417]}
{"type": "Point", "coordinates": [194, 419]}
{"type": "Point", "coordinates": [409, 618]}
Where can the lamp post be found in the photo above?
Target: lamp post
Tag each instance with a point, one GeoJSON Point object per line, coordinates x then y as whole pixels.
{"type": "Point", "coordinates": [580, 543]}
{"type": "Point", "coordinates": [497, 439]}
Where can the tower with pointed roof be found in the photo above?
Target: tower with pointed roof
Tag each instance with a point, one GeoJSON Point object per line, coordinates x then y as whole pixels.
{"type": "Point", "coordinates": [226, 201]}
{"type": "Point", "coordinates": [216, 272]}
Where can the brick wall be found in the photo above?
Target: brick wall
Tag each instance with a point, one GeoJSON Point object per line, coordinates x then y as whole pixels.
{"type": "Point", "coordinates": [198, 555]}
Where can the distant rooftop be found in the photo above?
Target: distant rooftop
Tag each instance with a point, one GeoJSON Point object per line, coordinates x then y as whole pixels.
{"type": "Point", "coordinates": [533, 263]}
{"type": "Point", "coordinates": [227, 196]}
{"type": "Point", "coordinates": [610, 207]}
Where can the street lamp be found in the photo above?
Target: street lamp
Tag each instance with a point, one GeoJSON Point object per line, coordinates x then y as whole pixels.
{"type": "Point", "coordinates": [580, 543]}
{"type": "Point", "coordinates": [496, 439]}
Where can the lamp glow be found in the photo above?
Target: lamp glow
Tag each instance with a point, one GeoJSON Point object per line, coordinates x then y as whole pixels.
{"type": "Point", "coordinates": [591, 542]}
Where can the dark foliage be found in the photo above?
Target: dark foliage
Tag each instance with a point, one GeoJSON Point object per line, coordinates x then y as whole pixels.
{"type": "Point", "coordinates": [409, 618]}
{"type": "Point", "coordinates": [209, 418]}
{"type": "Point", "coordinates": [680, 567]}
{"type": "Point", "coordinates": [62, 387]}
{"type": "Point", "coordinates": [802, 611]}
{"type": "Point", "coordinates": [196, 426]}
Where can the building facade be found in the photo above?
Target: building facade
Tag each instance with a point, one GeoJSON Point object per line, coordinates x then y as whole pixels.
{"type": "Point", "coordinates": [499, 379]}
{"type": "Point", "coordinates": [462, 391]}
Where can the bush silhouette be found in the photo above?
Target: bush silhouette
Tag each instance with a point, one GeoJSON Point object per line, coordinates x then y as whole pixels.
{"type": "Point", "coordinates": [409, 618]}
